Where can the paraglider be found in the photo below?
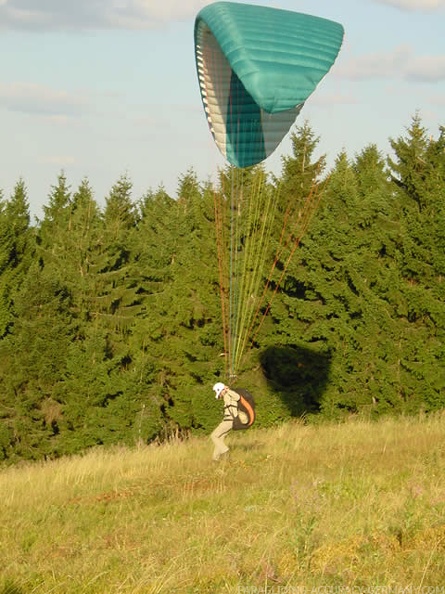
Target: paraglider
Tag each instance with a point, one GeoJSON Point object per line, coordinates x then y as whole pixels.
{"type": "Point", "coordinates": [256, 68]}
{"type": "Point", "coordinates": [239, 413]}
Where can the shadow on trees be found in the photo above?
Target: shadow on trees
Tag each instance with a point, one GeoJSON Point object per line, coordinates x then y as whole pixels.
{"type": "Point", "coordinates": [298, 375]}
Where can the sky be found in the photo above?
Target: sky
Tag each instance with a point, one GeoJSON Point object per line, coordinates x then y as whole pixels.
{"type": "Point", "coordinates": [104, 88]}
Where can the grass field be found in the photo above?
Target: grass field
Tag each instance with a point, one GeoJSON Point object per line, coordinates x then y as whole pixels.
{"type": "Point", "coordinates": [353, 507]}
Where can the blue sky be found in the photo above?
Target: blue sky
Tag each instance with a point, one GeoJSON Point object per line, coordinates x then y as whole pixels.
{"type": "Point", "coordinates": [101, 88]}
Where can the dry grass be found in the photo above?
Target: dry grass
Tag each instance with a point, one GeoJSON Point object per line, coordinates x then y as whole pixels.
{"type": "Point", "coordinates": [356, 505]}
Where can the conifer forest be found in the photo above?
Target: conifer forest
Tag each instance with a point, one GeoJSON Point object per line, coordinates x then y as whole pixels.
{"type": "Point", "coordinates": [110, 316]}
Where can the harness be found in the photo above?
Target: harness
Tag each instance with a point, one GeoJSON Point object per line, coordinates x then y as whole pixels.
{"type": "Point", "coordinates": [229, 415]}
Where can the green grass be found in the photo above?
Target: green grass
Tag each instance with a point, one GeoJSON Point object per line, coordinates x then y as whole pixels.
{"type": "Point", "coordinates": [356, 505]}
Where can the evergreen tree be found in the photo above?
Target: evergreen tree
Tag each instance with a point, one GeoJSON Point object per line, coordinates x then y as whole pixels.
{"type": "Point", "coordinates": [17, 243]}
{"type": "Point", "coordinates": [102, 400]}
{"type": "Point", "coordinates": [34, 353]}
{"type": "Point", "coordinates": [299, 190]}
{"type": "Point", "coordinates": [300, 171]}
{"type": "Point", "coordinates": [329, 304]}
{"type": "Point", "coordinates": [16, 250]}
{"type": "Point", "coordinates": [180, 314]}
{"type": "Point", "coordinates": [418, 171]}
{"type": "Point", "coordinates": [56, 216]}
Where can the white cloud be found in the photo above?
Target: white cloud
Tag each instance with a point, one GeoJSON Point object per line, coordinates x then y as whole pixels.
{"type": "Point", "coordinates": [328, 99]}
{"type": "Point", "coordinates": [58, 160]}
{"type": "Point", "coordinates": [41, 100]}
{"type": "Point", "coordinates": [438, 100]}
{"type": "Point", "coordinates": [93, 14]}
{"type": "Point", "coordinates": [427, 69]}
{"type": "Point", "coordinates": [425, 5]}
{"type": "Point", "coordinates": [400, 64]}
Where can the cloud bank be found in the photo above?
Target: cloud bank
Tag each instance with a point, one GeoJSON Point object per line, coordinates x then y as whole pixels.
{"type": "Point", "coordinates": [400, 64]}
{"type": "Point", "coordinates": [41, 100]}
{"type": "Point", "coordinates": [47, 15]}
{"type": "Point", "coordinates": [415, 5]}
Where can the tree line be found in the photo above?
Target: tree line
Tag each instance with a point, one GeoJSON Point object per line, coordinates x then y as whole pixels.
{"type": "Point", "coordinates": [110, 321]}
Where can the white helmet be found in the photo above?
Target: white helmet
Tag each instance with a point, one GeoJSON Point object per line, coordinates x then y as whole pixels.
{"type": "Point", "coordinates": [218, 388]}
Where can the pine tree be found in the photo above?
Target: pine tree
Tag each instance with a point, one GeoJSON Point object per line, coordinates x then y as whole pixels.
{"type": "Point", "coordinates": [17, 244]}
{"type": "Point", "coordinates": [102, 389]}
{"type": "Point", "coordinates": [56, 215]}
{"type": "Point", "coordinates": [332, 311]}
{"type": "Point", "coordinates": [418, 171]}
{"type": "Point", "coordinates": [178, 258]}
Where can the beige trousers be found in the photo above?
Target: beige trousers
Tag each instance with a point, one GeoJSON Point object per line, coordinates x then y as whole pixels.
{"type": "Point", "coordinates": [218, 436]}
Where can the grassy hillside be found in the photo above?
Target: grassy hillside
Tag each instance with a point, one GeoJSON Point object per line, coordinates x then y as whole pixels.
{"type": "Point", "coordinates": [356, 506]}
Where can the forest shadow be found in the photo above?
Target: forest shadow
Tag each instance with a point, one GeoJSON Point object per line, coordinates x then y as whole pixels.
{"type": "Point", "coordinates": [298, 375]}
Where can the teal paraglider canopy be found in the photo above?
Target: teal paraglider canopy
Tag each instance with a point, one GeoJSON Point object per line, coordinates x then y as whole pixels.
{"type": "Point", "coordinates": [256, 68]}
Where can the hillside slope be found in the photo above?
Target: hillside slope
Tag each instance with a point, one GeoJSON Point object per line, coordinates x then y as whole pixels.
{"type": "Point", "coordinates": [355, 505]}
